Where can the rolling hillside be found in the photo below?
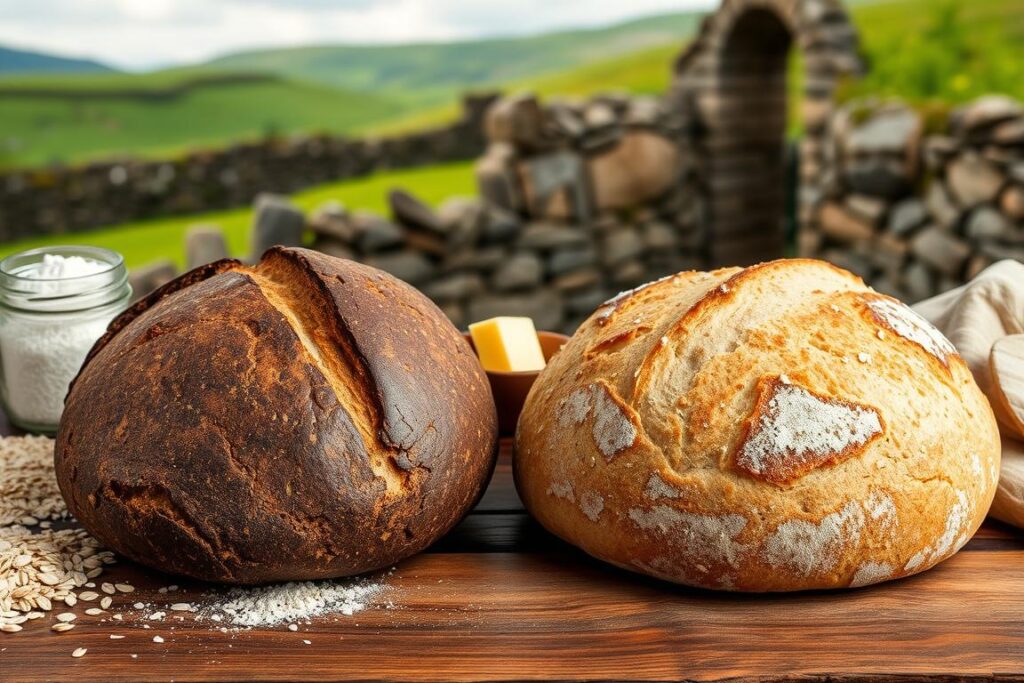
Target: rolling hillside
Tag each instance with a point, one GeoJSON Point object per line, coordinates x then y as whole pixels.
{"type": "Point", "coordinates": [75, 118]}
{"type": "Point", "coordinates": [451, 67]}
{"type": "Point", "coordinates": [646, 71]}
{"type": "Point", "coordinates": [43, 120]}
{"type": "Point", "coordinates": [29, 62]}
{"type": "Point", "coordinates": [951, 50]}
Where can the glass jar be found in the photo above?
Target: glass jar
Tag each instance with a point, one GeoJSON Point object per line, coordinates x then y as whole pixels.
{"type": "Point", "coordinates": [48, 325]}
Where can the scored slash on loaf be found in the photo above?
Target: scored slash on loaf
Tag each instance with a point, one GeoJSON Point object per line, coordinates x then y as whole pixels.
{"type": "Point", "coordinates": [778, 427]}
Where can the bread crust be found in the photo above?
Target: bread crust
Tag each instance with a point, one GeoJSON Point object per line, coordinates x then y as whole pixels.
{"type": "Point", "coordinates": [305, 418]}
{"type": "Point", "coordinates": [868, 452]}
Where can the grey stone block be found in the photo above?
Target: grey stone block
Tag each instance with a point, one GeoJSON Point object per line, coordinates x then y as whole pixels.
{"type": "Point", "coordinates": [277, 221]}
{"type": "Point", "coordinates": [622, 245]}
{"type": "Point", "coordinates": [457, 287]}
{"type": "Point", "coordinates": [906, 216]}
{"type": "Point", "coordinates": [499, 225]}
{"type": "Point", "coordinates": [333, 220]}
{"type": "Point", "coordinates": [878, 177]}
{"type": "Point", "coordinates": [522, 271]}
{"type": "Point", "coordinates": [659, 236]}
{"type": "Point", "coordinates": [204, 244]}
{"type": "Point", "coordinates": [940, 250]}
{"type": "Point", "coordinates": [940, 207]}
{"type": "Point", "coordinates": [150, 276]}
{"type": "Point", "coordinates": [461, 219]}
{"type": "Point", "coordinates": [409, 211]}
{"type": "Point", "coordinates": [571, 258]}
{"type": "Point", "coordinates": [985, 223]}
{"type": "Point", "coordinates": [891, 130]}
{"type": "Point", "coordinates": [375, 233]}
{"type": "Point", "coordinates": [547, 236]}
{"type": "Point", "coordinates": [973, 180]}
{"type": "Point", "coordinates": [918, 281]}
{"type": "Point", "coordinates": [410, 266]}
{"type": "Point", "coordinates": [544, 306]}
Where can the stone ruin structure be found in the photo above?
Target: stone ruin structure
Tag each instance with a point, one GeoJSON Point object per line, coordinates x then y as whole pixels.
{"type": "Point", "coordinates": [581, 199]}
{"type": "Point", "coordinates": [733, 79]}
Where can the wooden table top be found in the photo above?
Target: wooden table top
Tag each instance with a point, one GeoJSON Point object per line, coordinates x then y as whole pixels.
{"type": "Point", "coordinates": [500, 599]}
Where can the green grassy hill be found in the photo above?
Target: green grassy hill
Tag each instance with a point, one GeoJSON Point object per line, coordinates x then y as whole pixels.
{"type": "Point", "coordinates": [449, 68]}
{"type": "Point", "coordinates": [65, 119]}
{"type": "Point", "coordinates": [342, 89]}
{"type": "Point", "coordinates": [920, 49]}
{"type": "Point", "coordinates": [647, 71]}
{"type": "Point", "coordinates": [941, 49]}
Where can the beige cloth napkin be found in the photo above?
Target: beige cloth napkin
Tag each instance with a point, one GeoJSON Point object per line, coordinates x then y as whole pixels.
{"type": "Point", "coordinates": [974, 317]}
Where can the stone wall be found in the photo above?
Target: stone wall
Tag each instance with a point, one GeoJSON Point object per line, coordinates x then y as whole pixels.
{"type": "Point", "coordinates": [58, 200]}
{"type": "Point", "coordinates": [580, 200]}
{"type": "Point", "coordinates": [477, 260]}
{"type": "Point", "coordinates": [918, 204]}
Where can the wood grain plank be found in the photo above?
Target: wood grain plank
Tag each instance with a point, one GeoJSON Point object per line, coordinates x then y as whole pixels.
{"type": "Point", "coordinates": [499, 616]}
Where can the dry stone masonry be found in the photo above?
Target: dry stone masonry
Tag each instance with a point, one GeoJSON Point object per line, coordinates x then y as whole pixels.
{"type": "Point", "coordinates": [914, 213]}
{"type": "Point", "coordinates": [476, 259]}
{"type": "Point", "coordinates": [732, 79]}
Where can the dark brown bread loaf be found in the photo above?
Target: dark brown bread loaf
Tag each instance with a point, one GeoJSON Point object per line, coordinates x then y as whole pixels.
{"type": "Point", "coordinates": [308, 417]}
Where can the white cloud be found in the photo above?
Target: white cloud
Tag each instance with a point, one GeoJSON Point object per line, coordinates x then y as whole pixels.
{"type": "Point", "coordinates": [138, 34]}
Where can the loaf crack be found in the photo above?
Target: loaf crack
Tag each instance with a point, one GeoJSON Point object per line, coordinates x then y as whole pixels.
{"type": "Point", "coordinates": [336, 362]}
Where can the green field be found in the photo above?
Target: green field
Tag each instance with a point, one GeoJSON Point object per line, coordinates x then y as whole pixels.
{"type": "Point", "coordinates": [947, 50]}
{"type": "Point", "coordinates": [166, 114]}
{"type": "Point", "coordinates": [145, 241]}
{"type": "Point", "coordinates": [647, 71]}
{"type": "Point", "coordinates": [433, 72]}
{"type": "Point", "coordinates": [341, 89]}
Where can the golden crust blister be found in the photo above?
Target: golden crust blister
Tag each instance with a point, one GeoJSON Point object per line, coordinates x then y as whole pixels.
{"type": "Point", "coordinates": [793, 430]}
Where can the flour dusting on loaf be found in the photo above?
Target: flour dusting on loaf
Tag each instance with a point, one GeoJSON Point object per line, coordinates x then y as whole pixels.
{"type": "Point", "coordinates": [813, 547]}
{"type": "Point", "coordinates": [659, 488]}
{"type": "Point", "coordinates": [871, 572]}
{"type": "Point", "coordinates": [711, 538]}
{"type": "Point", "coordinates": [591, 504]}
{"type": "Point", "coordinates": [772, 428]}
{"type": "Point", "coordinates": [902, 320]}
{"type": "Point", "coordinates": [794, 430]}
{"type": "Point", "coordinates": [613, 431]}
{"type": "Point", "coordinates": [952, 533]}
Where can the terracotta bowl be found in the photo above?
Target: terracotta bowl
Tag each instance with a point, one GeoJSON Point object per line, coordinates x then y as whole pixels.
{"type": "Point", "coordinates": [510, 388]}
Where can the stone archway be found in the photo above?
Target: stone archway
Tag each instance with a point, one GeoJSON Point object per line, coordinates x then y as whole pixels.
{"type": "Point", "coordinates": [732, 80]}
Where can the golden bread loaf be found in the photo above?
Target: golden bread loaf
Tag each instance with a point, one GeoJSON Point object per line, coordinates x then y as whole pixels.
{"type": "Point", "coordinates": [773, 428]}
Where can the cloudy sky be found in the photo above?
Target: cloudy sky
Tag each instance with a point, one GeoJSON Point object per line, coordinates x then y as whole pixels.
{"type": "Point", "coordinates": [138, 34]}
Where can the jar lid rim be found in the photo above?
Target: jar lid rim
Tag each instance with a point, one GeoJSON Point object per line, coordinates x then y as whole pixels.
{"type": "Point", "coordinates": [112, 259]}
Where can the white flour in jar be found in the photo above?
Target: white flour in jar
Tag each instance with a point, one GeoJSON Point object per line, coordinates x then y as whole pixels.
{"type": "Point", "coordinates": [41, 354]}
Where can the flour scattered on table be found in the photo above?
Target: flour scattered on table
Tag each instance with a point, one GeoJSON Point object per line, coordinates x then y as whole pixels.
{"type": "Point", "coordinates": [289, 602]}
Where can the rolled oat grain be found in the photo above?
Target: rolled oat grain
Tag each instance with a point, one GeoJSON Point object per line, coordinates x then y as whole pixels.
{"type": "Point", "coordinates": [38, 567]}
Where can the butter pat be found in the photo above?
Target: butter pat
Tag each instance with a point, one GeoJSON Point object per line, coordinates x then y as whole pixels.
{"type": "Point", "coordinates": [507, 345]}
